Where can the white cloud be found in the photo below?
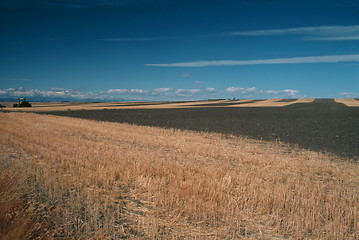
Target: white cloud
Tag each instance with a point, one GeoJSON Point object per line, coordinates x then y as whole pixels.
{"type": "Point", "coordinates": [165, 94]}
{"type": "Point", "coordinates": [162, 90]}
{"type": "Point", "coordinates": [312, 59]}
{"type": "Point", "coordinates": [286, 92]}
{"type": "Point", "coordinates": [334, 38]}
{"type": "Point", "coordinates": [121, 91]}
{"type": "Point", "coordinates": [210, 90]}
{"type": "Point", "coordinates": [52, 93]}
{"type": "Point", "coordinates": [241, 90]}
{"type": "Point", "coordinates": [139, 39]}
{"type": "Point", "coordinates": [130, 39]}
{"type": "Point", "coordinates": [156, 92]}
{"type": "Point", "coordinates": [186, 74]}
{"type": "Point", "coordinates": [327, 33]}
{"type": "Point", "coordinates": [199, 82]}
{"type": "Point", "coordinates": [349, 95]}
{"type": "Point", "coordinates": [255, 92]}
{"type": "Point", "coordinates": [312, 33]}
{"type": "Point", "coordinates": [318, 30]}
{"type": "Point", "coordinates": [186, 92]}
{"type": "Point", "coordinates": [57, 89]}
{"type": "Point", "coordinates": [16, 79]}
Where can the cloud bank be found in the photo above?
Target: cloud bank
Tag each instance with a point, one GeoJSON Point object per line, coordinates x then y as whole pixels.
{"type": "Point", "coordinates": [253, 91]}
{"type": "Point", "coordinates": [163, 94]}
{"type": "Point", "coordinates": [53, 93]}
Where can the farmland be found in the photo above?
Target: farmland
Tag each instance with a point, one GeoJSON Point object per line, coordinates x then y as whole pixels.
{"type": "Point", "coordinates": [190, 172]}
{"type": "Point", "coordinates": [321, 125]}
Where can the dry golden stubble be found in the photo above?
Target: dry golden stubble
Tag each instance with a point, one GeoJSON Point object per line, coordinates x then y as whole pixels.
{"type": "Point", "coordinates": [124, 180]}
{"type": "Point", "coordinates": [350, 102]}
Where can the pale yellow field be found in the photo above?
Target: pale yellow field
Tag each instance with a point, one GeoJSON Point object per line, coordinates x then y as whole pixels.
{"type": "Point", "coordinates": [274, 103]}
{"type": "Point", "coordinates": [105, 105]}
{"type": "Point", "coordinates": [58, 106]}
{"type": "Point", "coordinates": [81, 179]}
{"type": "Point", "coordinates": [350, 102]}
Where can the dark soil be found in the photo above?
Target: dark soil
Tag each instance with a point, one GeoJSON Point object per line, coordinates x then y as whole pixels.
{"type": "Point", "coordinates": [288, 100]}
{"type": "Point", "coordinates": [223, 104]}
{"type": "Point", "coordinates": [323, 125]}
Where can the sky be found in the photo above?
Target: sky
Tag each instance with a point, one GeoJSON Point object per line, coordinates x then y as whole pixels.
{"type": "Point", "coordinates": [161, 50]}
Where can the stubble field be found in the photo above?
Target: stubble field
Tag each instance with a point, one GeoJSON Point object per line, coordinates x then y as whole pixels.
{"type": "Point", "coordinates": [71, 178]}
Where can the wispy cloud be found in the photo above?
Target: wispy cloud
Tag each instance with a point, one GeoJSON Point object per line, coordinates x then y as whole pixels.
{"type": "Point", "coordinates": [312, 59]}
{"type": "Point", "coordinates": [349, 94]}
{"type": "Point", "coordinates": [316, 33]}
{"type": "Point", "coordinates": [318, 30]}
{"type": "Point", "coordinates": [15, 79]}
{"type": "Point", "coordinates": [161, 38]}
{"type": "Point", "coordinates": [187, 92]}
{"type": "Point", "coordinates": [186, 74]}
{"type": "Point", "coordinates": [130, 39]}
{"type": "Point", "coordinates": [200, 82]}
{"type": "Point", "coordinates": [335, 38]}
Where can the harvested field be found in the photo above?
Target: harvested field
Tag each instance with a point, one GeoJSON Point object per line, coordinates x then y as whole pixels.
{"type": "Point", "coordinates": [58, 106]}
{"type": "Point", "coordinates": [350, 102]}
{"type": "Point", "coordinates": [79, 179]}
{"type": "Point", "coordinates": [322, 125]}
{"type": "Point", "coordinates": [53, 106]}
{"type": "Point", "coordinates": [155, 105]}
{"type": "Point", "coordinates": [274, 103]}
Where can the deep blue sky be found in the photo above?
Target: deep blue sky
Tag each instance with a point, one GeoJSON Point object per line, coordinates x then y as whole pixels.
{"type": "Point", "coordinates": [179, 49]}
